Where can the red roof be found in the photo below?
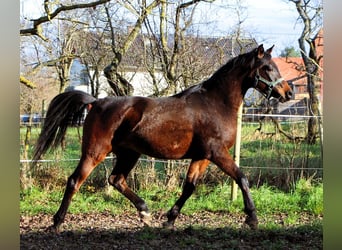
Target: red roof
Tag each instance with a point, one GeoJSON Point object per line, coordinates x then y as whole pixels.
{"type": "Point", "coordinates": [291, 69]}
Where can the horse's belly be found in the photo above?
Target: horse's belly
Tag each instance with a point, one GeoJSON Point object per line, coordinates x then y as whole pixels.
{"type": "Point", "coordinates": [170, 140]}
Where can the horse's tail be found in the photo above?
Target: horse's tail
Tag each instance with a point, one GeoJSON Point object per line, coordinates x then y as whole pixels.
{"type": "Point", "coordinates": [64, 109]}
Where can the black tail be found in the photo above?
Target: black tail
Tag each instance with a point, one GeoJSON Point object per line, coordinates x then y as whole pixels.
{"type": "Point", "coordinates": [63, 109]}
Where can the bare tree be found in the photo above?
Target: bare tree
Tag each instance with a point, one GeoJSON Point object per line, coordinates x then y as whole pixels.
{"type": "Point", "coordinates": [119, 84]}
{"type": "Point", "coordinates": [171, 50]}
{"type": "Point", "coordinates": [94, 50]}
{"type": "Point", "coordinates": [310, 13]}
{"type": "Point", "coordinates": [40, 27]}
{"type": "Point", "coordinates": [182, 20]}
{"type": "Point", "coordinates": [59, 52]}
{"type": "Point", "coordinates": [119, 24]}
{"type": "Point", "coordinates": [37, 28]}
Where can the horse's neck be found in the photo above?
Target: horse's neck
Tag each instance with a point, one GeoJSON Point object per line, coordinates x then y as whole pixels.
{"type": "Point", "coordinates": [189, 90]}
{"type": "Point", "coordinates": [228, 88]}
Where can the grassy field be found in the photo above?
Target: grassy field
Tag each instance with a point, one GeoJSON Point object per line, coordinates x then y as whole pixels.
{"type": "Point", "coordinates": [305, 197]}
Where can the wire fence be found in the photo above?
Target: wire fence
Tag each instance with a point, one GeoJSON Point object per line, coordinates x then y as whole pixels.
{"type": "Point", "coordinates": [267, 156]}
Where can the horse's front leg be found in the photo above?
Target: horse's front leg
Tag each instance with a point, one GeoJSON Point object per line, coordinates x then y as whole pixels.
{"type": "Point", "coordinates": [226, 163]}
{"type": "Point", "coordinates": [195, 171]}
{"type": "Point", "coordinates": [250, 210]}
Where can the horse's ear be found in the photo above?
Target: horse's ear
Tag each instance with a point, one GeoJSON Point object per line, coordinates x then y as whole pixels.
{"type": "Point", "coordinates": [269, 51]}
{"type": "Point", "coordinates": [260, 51]}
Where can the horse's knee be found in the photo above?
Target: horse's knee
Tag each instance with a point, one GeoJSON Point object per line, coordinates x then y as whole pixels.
{"type": "Point", "coordinates": [189, 187]}
{"type": "Point", "coordinates": [244, 183]}
{"type": "Point", "coordinates": [111, 179]}
{"type": "Point", "coordinates": [116, 182]}
{"type": "Point", "coordinates": [72, 183]}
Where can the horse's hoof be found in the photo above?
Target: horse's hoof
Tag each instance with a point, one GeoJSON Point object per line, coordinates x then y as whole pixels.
{"type": "Point", "coordinates": [52, 229]}
{"type": "Point", "coordinates": [145, 218]}
{"type": "Point", "coordinates": [168, 225]}
{"type": "Point", "coordinates": [252, 222]}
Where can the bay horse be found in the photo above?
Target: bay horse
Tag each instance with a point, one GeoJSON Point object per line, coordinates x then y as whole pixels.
{"type": "Point", "coordinates": [198, 123]}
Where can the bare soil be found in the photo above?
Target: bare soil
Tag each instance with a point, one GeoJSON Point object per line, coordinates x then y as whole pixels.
{"type": "Point", "coordinates": [203, 230]}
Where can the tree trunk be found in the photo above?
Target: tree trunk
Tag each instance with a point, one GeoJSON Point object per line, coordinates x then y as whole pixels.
{"type": "Point", "coordinates": [311, 65]}
{"type": "Point", "coordinates": [311, 62]}
{"type": "Point", "coordinates": [313, 111]}
{"type": "Point", "coordinates": [117, 82]}
{"type": "Point", "coordinates": [63, 69]}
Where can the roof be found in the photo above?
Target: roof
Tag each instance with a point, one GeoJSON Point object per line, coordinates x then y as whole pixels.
{"type": "Point", "coordinates": [214, 50]}
{"type": "Point", "coordinates": [291, 69]}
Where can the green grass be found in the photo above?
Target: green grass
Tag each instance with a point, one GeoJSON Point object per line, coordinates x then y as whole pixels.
{"type": "Point", "coordinates": [73, 144]}
{"type": "Point", "coordinates": [37, 200]}
{"type": "Point", "coordinates": [34, 201]}
{"type": "Point", "coordinates": [305, 197]}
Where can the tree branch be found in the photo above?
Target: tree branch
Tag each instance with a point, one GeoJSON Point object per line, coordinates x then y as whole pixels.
{"type": "Point", "coordinates": [27, 82]}
{"type": "Point", "coordinates": [37, 29]}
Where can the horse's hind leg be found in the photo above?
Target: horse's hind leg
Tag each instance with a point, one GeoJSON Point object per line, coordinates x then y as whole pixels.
{"type": "Point", "coordinates": [195, 172]}
{"type": "Point", "coordinates": [84, 168]}
{"type": "Point", "coordinates": [126, 160]}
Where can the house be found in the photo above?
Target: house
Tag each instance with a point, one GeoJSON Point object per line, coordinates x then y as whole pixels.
{"type": "Point", "coordinates": [203, 55]}
{"type": "Point", "coordinates": [293, 70]}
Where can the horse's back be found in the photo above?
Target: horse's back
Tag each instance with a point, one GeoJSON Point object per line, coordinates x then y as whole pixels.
{"type": "Point", "coordinates": [160, 127]}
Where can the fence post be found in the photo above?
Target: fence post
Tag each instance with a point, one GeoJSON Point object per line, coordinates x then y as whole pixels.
{"type": "Point", "coordinates": [233, 194]}
{"type": "Point", "coordinates": [25, 172]}
{"type": "Point", "coordinates": [43, 108]}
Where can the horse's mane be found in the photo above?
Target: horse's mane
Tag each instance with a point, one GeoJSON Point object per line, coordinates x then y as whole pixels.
{"type": "Point", "coordinates": [243, 61]}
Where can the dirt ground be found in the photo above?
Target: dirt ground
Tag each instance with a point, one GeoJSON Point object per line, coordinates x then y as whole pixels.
{"type": "Point", "coordinates": [204, 230]}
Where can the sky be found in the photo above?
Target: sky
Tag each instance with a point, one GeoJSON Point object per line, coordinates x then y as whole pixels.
{"type": "Point", "coordinates": [275, 21]}
{"type": "Point", "coordinates": [271, 22]}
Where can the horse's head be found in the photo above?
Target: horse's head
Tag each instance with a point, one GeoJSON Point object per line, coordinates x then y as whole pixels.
{"type": "Point", "coordinates": [267, 78]}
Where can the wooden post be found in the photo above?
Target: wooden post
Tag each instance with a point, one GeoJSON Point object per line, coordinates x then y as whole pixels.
{"type": "Point", "coordinates": [43, 113]}
{"type": "Point", "coordinates": [237, 145]}
{"type": "Point", "coordinates": [43, 108]}
{"type": "Point", "coordinates": [25, 173]}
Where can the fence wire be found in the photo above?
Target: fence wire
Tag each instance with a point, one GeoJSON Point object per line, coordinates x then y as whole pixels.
{"type": "Point", "coordinates": [267, 155]}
